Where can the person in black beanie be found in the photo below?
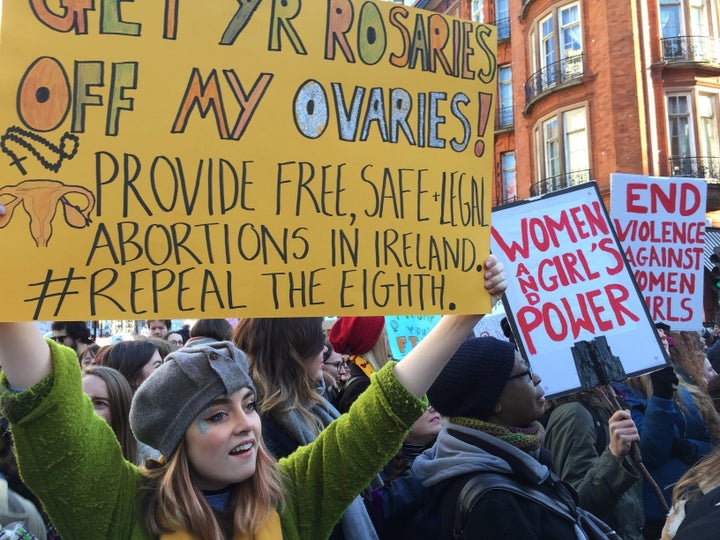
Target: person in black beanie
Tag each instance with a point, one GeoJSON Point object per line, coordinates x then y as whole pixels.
{"type": "Point", "coordinates": [492, 440]}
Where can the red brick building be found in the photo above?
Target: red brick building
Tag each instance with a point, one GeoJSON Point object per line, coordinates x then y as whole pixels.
{"type": "Point", "coordinates": [589, 88]}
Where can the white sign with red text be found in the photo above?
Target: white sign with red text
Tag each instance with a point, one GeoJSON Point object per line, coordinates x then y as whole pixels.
{"type": "Point", "coordinates": [661, 226]}
{"type": "Point", "coordinates": [568, 281]}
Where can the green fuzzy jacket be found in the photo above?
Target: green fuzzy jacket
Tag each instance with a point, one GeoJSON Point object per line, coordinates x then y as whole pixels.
{"type": "Point", "coordinates": [71, 459]}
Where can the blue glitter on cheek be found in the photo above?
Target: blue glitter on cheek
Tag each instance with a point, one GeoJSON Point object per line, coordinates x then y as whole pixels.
{"type": "Point", "coordinates": [203, 426]}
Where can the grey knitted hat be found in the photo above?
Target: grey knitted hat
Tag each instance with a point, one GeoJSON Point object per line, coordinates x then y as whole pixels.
{"type": "Point", "coordinates": [168, 401]}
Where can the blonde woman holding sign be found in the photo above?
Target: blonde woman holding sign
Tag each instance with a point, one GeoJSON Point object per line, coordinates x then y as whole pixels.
{"type": "Point", "coordinates": [216, 479]}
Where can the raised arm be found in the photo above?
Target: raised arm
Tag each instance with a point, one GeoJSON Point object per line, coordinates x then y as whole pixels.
{"type": "Point", "coordinates": [24, 354]}
{"type": "Point", "coordinates": [419, 369]}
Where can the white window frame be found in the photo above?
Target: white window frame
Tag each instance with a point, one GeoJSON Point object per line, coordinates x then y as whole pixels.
{"type": "Point", "coordinates": [544, 162]}
{"type": "Point", "coordinates": [503, 85]}
{"type": "Point", "coordinates": [542, 34]}
{"type": "Point", "coordinates": [709, 146]}
{"type": "Point", "coordinates": [476, 11]}
{"type": "Point", "coordinates": [691, 146]}
{"type": "Point", "coordinates": [509, 188]}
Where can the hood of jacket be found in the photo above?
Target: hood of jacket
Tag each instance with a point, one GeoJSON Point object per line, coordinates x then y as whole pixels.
{"type": "Point", "coordinates": [450, 457]}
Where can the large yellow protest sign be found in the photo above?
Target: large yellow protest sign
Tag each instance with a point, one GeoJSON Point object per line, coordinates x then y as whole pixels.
{"type": "Point", "coordinates": [258, 158]}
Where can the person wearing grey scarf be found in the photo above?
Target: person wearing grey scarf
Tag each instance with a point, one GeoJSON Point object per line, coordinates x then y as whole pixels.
{"type": "Point", "coordinates": [285, 359]}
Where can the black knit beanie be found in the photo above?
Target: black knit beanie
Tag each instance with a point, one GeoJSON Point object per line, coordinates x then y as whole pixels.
{"type": "Point", "coordinates": [472, 381]}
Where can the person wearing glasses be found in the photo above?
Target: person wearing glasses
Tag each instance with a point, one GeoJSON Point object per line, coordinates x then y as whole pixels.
{"type": "Point", "coordinates": [492, 441]}
{"type": "Point", "coordinates": [73, 334]}
{"type": "Point", "coordinates": [335, 371]}
{"type": "Point", "coordinates": [335, 365]}
{"type": "Point", "coordinates": [175, 339]}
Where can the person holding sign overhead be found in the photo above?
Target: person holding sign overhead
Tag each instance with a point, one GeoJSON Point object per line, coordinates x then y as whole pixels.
{"type": "Point", "coordinates": [285, 361]}
{"type": "Point", "coordinates": [215, 479]}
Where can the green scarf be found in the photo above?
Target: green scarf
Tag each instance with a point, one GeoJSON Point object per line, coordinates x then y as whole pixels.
{"type": "Point", "coordinates": [527, 439]}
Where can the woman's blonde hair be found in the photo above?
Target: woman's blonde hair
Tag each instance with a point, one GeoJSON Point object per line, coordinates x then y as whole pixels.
{"type": "Point", "coordinates": [379, 354]}
{"type": "Point", "coordinates": [688, 354]}
{"type": "Point", "coordinates": [704, 472]}
{"type": "Point", "coordinates": [171, 501]}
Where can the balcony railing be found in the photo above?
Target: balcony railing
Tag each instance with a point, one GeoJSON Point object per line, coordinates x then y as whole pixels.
{"type": "Point", "coordinates": [503, 28]}
{"type": "Point", "coordinates": [502, 199]}
{"type": "Point", "coordinates": [505, 118]}
{"type": "Point", "coordinates": [696, 167]}
{"type": "Point", "coordinates": [700, 49]}
{"type": "Point", "coordinates": [554, 183]}
{"type": "Point", "coordinates": [553, 75]}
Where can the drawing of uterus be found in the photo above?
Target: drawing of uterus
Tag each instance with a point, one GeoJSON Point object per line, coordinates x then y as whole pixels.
{"type": "Point", "coordinates": [40, 199]}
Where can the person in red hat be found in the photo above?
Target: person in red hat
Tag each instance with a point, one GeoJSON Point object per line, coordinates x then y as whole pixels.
{"type": "Point", "coordinates": [363, 341]}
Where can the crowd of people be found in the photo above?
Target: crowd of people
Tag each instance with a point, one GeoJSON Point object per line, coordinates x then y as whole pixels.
{"type": "Point", "coordinates": [290, 428]}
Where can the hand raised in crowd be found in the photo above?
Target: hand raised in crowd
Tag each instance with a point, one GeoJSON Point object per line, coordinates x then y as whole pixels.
{"type": "Point", "coordinates": [664, 382]}
{"type": "Point", "coordinates": [495, 281]}
{"type": "Point", "coordinates": [623, 432]}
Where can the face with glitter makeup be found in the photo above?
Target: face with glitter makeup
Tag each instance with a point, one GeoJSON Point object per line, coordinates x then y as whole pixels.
{"type": "Point", "coordinates": [222, 442]}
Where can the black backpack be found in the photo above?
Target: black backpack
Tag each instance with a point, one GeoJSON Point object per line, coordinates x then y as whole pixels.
{"type": "Point", "coordinates": [561, 502]}
{"type": "Point", "coordinates": [593, 527]}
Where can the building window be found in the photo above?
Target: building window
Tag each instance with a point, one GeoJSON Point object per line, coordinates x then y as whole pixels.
{"type": "Point", "coordinates": [563, 156]}
{"type": "Point", "coordinates": [708, 125]}
{"type": "Point", "coordinates": [477, 11]}
{"type": "Point", "coordinates": [551, 149]}
{"type": "Point", "coordinates": [679, 125]}
{"type": "Point", "coordinates": [502, 19]}
{"type": "Point", "coordinates": [689, 30]}
{"type": "Point", "coordinates": [699, 21]}
{"type": "Point", "coordinates": [694, 142]}
{"type": "Point", "coordinates": [509, 185]}
{"type": "Point", "coordinates": [670, 18]}
{"type": "Point", "coordinates": [560, 41]}
{"type": "Point", "coordinates": [505, 97]}
{"type": "Point", "coordinates": [686, 18]}
{"type": "Point", "coordinates": [576, 145]}
{"type": "Point", "coordinates": [556, 50]}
